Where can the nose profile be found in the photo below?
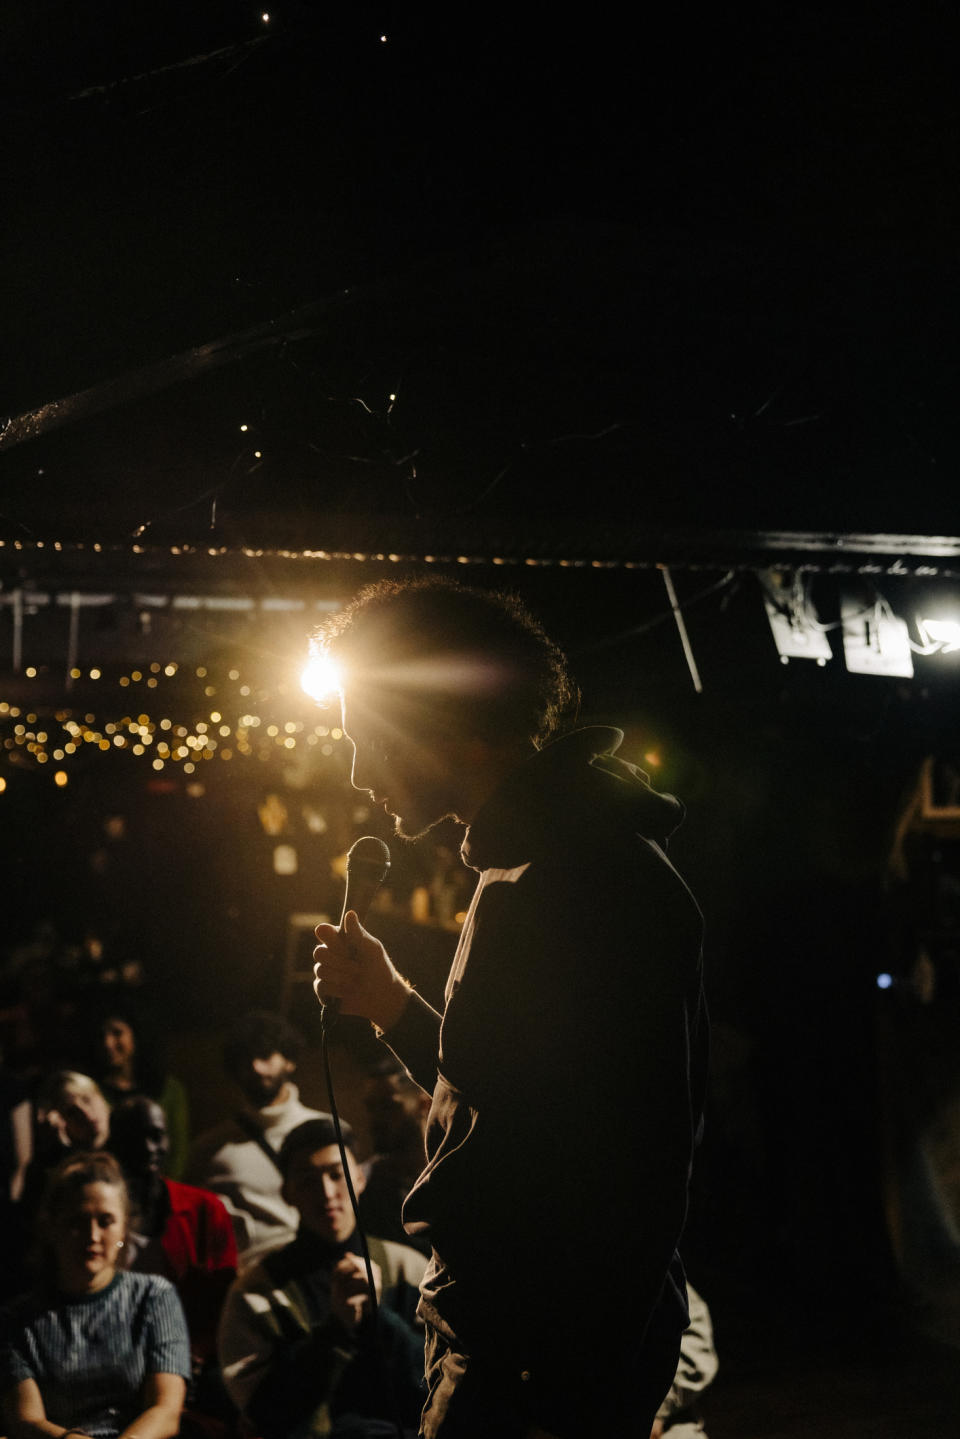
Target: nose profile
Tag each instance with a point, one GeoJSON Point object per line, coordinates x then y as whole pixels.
{"type": "Point", "coordinates": [357, 777]}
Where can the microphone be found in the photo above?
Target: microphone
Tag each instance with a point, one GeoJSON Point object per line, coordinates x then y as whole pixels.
{"type": "Point", "coordinates": [368, 864]}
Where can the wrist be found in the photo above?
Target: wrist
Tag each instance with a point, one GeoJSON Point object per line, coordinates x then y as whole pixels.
{"type": "Point", "coordinates": [395, 1001]}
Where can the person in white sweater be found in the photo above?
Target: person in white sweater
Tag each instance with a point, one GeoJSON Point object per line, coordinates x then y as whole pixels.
{"type": "Point", "coordinates": [237, 1158]}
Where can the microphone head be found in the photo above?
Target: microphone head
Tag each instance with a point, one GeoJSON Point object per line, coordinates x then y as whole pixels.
{"type": "Point", "coordinates": [368, 855]}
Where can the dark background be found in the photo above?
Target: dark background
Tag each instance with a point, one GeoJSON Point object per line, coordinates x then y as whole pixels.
{"type": "Point", "coordinates": [654, 288]}
{"type": "Point", "coordinates": [653, 269]}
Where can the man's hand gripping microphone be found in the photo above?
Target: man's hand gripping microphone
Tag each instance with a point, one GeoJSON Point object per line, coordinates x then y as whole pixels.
{"type": "Point", "coordinates": [368, 864]}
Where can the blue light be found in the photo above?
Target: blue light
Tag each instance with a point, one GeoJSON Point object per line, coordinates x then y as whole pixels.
{"type": "Point", "coordinates": [884, 981]}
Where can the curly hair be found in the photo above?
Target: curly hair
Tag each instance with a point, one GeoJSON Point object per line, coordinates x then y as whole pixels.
{"type": "Point", "coordinates": [443, 656]}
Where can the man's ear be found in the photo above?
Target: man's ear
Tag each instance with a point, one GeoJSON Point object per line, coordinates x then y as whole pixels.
{"type": "Point", "coordinates": [357, 1175]}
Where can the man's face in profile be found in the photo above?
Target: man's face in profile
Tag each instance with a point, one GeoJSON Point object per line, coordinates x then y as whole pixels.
{"type": "Point", "coordinates": [413, 780]}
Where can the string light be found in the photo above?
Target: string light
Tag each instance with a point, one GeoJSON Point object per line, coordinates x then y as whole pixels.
{"type": "Point", "coordinates": [31, 740]}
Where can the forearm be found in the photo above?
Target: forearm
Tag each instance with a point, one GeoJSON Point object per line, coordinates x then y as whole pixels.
{"type": "Point", "coordinates": [38, 1429]}
{"type": "Point", "coordinates": [160, 1421]}
{"type": "Point", "coordinates": [415, 1039]}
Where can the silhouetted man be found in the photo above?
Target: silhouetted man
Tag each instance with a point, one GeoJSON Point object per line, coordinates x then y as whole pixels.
{"type": "Point", "coordinates": [568, 1065]}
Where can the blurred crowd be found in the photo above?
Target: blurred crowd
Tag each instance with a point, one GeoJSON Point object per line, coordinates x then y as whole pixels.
{"type": "Point", "coordinates": [158, 1281]}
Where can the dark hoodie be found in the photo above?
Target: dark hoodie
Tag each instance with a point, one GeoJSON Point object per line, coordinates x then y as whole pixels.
{"type": "Point", "coordinates": [567, 1079]}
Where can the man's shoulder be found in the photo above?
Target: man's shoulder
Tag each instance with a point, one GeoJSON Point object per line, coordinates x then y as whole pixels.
{"type": "Point", "coordinates": [253, 1277]}
{"type": "Point", "coordinates": [397, 1261]}
{"type": "Point", "coordinates": [298, 1113]}
{"type": "Point", "coordinates": [217, 1137]}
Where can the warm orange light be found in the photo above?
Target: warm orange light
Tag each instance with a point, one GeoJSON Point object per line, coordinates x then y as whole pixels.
{"type": "Point", "coordinates": [320, 679]}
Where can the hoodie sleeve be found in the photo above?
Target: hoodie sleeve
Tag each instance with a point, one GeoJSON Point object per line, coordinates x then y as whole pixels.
{"type": "Point", "coordinates": [415, 1040]}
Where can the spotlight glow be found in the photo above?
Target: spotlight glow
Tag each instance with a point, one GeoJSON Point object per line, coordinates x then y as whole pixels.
{"type": "Point", "coordinates": [320, 679]}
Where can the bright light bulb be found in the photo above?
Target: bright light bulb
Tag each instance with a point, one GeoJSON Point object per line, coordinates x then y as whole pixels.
{"type": "Point", "coordinates": [320, 679]}
{"type": "Point", "coordinates": [945, 633]}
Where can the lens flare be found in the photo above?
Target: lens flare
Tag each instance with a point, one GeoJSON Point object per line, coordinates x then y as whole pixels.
{"type": "Point", "coordinates": [320, 679]}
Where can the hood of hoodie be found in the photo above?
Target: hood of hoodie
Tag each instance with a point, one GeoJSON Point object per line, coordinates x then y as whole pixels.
{"type": "Point", "coordinates": [571, 788]}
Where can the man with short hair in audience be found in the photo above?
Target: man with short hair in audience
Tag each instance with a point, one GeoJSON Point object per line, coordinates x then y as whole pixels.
{"type": "Point", "coordinates": [237, 1158]}
{"type": "Point", "coordinates": [303, 1351]}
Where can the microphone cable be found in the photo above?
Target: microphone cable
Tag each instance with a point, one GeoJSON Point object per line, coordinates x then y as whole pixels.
{"type": "Point", "coordinates": [368, 864]}
{"type": "Point", "coordinates": [388, 1386]}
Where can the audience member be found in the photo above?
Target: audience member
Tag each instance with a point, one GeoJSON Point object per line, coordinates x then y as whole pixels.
{"type": "Point", "coordinates": [72, 1116]}
{"type": "Point", "coordinates": [300, 1348]}
{"type": "Point", "coordinates": [237, 1159]}
{"type": "Point", "coordinates": [92, 1350]}
{"type": "Point", "coordinates": [397, 1109]}
{"type": "Point", "coordinates": [178, 1231]}
{"type": "Point", "coordinates": [679, 1414]}
{"type": "Point", "coordinates": [73, 1110]}
{"type": "Point", "coordinates": [126, 1058]}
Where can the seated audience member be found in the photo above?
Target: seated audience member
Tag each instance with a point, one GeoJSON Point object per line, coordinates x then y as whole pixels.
{"type": "Point", "coordinates": [300, 1350]}
{"type": "Point", "coordinates": [74, 1111]}
{"type": "Point", "coordinates": [126, 1060]}
{"type": "Point", "coordinates": [397, 1110]}
{"type": "Point", "coordinates": [72, 1117]}
{"type": "Point", "coordinates": [237, 1159]}
{"type": "Point", "coordinates": [92, 1350]}
{"type": "Point", "coordinates": [178, 1231]}
{"type": "Point", "coordinates": [679, 1414]}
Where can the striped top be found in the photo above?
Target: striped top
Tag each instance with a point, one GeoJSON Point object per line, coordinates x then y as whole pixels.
{"type": "Point", "coordinates": [90, 1355]}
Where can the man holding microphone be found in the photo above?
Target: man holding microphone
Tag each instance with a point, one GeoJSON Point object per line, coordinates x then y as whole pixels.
{"type": "Point", "coordinates": [568, 1066]}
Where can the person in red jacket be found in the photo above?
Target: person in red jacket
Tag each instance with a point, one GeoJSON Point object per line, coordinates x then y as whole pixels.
{"type": "Point", "coordinates": [179, 1231]}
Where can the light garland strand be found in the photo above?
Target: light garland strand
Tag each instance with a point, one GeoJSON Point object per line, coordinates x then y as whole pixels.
{"type": "Point", "coordinates": [37, 736]}
{"type": "Point", "coordinates": [892, 559]}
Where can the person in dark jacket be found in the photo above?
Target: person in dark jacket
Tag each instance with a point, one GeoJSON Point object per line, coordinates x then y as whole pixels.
{"type": "Point", "coordinates": [302, 1351]}
{"type": "Point", "coordinates": [568, 1065]}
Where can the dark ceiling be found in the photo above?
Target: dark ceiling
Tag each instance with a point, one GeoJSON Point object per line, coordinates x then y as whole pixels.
{"type": "Point", "coordinates": [473, 272]}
